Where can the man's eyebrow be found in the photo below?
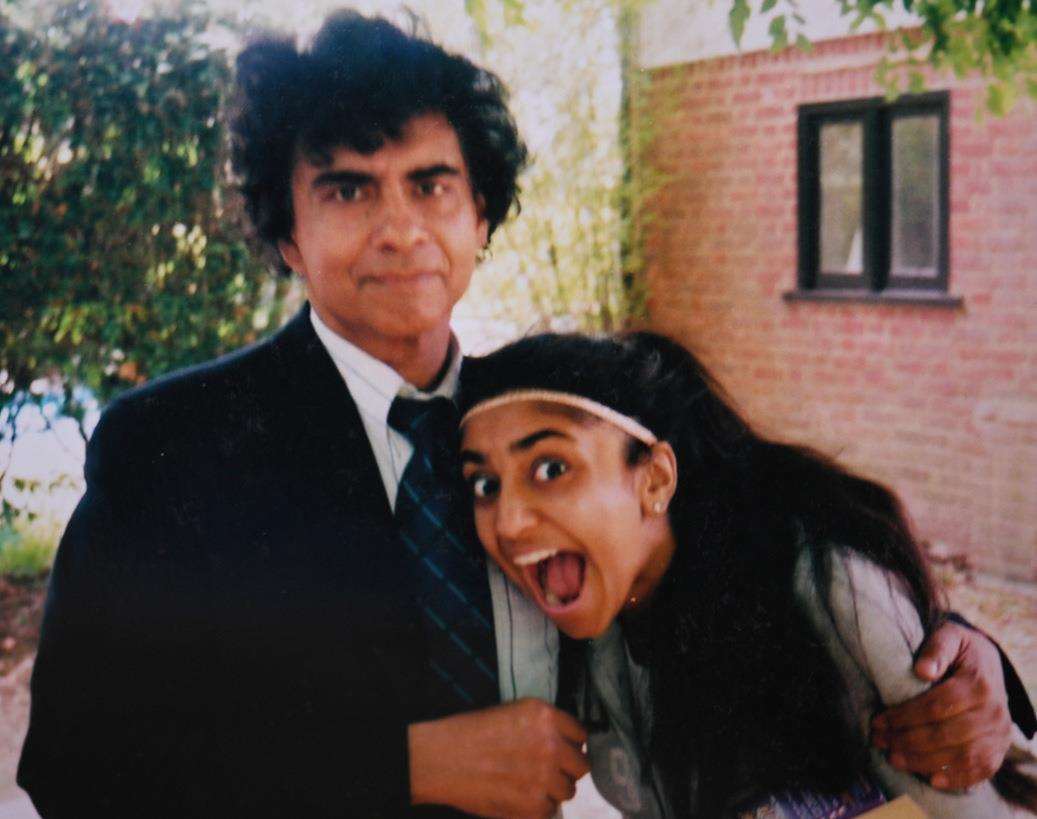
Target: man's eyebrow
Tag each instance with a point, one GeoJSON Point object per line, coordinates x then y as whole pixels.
{"type": "Point", "coordinates": [333, 178]}
{"type": "Point", "coordinates": [527, 442]}
{"type": "Point", "coordinates": [431, 171]}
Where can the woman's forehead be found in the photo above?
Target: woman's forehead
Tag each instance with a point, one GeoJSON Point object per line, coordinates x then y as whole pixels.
{"type": "Point", "coordinates": [528, 412]}
{"type": "Point", "coordinates": [514, 428]}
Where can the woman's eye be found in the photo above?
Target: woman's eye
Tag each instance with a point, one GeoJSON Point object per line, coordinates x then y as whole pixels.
{"type": "Point", "coordinates": [548, 469]}
{"type": "Point", "coordinates": [483, 486]}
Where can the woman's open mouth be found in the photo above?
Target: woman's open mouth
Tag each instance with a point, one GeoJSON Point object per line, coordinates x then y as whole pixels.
{"type": "Point", "coordinates": [556, 575]}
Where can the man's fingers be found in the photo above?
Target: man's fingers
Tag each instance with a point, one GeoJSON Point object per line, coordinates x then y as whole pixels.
{"type": "Point", "coordinates": [940, 650]}
{"type": "Point", "coordinates": [980, 751]}
{"type": "Point", "coordinates": [951, 733]}
{"type": "Point", "coordinates": [562, 788]}
{"type": "Point", "coordinates": [941, 702]}
{"type": "Point", "coordinates": [569, 728]}
{"type": "Point", "coordinates": [573, 761]}
{"type": "Point", "coordinates": [953, 768]}
{"type": "Point", "coordinates": [959, 778]}
{"type": "Point", "coordinates": [956, 734]}
{"type": "Point", "coordinates": [549, 720]}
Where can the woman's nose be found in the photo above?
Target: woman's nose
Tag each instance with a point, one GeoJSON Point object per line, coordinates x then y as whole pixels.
{"type": "Point", "coordinates": [515, 516]}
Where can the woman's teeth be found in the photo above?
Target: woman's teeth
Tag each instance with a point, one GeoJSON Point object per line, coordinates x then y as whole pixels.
{"type": "Point", "coordinates": [529, 558]}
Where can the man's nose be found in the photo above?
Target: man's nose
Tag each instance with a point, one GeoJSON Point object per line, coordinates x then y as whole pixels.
{"type": "Point", "coordinates": [399, 222]}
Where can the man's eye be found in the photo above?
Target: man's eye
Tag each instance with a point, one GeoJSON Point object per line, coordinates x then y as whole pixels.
{"type": "Point", "coordinates": [483, 486]}
{"type": "Point", "coordinates": [548, 469]}
{"type": "Point", "coordinates": [349, 192]}
{"type": "Point", "coordinates": [431, 187]}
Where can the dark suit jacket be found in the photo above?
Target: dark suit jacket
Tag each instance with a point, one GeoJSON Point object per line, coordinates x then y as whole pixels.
{"type": "Point", "coordinates": [229, 629]}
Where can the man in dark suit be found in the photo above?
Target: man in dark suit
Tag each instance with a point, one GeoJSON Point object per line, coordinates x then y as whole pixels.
{"type": "Point", "coordinates": [232, 626]}
{"type": "Point", "coordinates": [244, 617]}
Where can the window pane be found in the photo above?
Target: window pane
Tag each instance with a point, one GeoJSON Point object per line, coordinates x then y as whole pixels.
{"type": "Point", "coordinates": [916, 179]}
{"type": "Point", "coordinates": [841, 238]}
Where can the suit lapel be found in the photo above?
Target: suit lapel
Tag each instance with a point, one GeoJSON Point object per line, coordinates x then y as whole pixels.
{"type": "Point", "coordinates": [324, 423]}
{"type": "Point", "coordinates": [334, 458]}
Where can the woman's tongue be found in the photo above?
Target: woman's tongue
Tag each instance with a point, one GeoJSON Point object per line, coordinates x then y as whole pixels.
{"type": "Point", "coordinates": [561, 578]}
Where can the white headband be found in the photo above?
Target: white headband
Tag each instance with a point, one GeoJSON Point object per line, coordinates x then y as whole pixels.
{"type": "Point", "coordinates": [617, 419]}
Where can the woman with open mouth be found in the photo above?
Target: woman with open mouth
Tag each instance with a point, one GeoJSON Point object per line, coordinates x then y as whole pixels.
{"type": "Point", "coordinates": [744, 607]}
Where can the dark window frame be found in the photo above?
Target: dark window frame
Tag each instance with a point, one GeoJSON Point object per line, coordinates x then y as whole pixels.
{"type": "Point", "coordinates": [876, 116]}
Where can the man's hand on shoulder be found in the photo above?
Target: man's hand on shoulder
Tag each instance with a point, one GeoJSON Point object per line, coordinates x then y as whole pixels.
{"type": "Point", "coordinates": [956, 734]}
{"type": "Point", "coordinates": [516, 760]}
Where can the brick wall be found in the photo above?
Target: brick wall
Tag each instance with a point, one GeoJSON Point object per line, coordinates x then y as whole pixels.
{"type": "Point", "coordinates": [939, 403]}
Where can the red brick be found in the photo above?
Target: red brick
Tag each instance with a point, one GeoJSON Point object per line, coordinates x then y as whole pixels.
{"type": "Point", "coordinates": [941, 404]}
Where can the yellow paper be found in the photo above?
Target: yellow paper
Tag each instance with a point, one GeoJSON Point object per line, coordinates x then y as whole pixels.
{"type": "Point", "coordinates": [903, 807]}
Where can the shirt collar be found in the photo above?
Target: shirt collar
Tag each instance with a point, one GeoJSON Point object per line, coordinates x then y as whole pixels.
{"type": "Point", "coordinates": [373, 383]}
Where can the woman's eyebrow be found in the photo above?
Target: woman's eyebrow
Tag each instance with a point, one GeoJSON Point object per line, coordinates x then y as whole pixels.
{"type": "Point", "coordinates": [469, 456]}
{"type": "Point", "coordinates": [525, 443]}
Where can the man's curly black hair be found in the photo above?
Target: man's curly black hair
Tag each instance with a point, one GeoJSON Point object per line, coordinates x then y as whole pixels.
{"type": "Point", "coordinates": [357, 85]}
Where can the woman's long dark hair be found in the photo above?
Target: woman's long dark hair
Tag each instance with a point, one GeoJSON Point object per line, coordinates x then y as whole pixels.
{"type": "Point", "coordinates": [744, 694]}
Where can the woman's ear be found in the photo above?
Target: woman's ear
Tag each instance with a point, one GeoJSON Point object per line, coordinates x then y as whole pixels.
{"type": "Point", "coordinates": [659, 480]}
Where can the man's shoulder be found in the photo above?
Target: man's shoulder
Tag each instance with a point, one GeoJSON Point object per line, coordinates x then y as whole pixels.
{"type": "Point", "coordinates": [240, 387]}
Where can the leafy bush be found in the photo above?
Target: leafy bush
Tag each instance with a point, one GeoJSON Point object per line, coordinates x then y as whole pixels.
{"type": "Point", "coordinates": [26, 553]}
{"type": "Point", "coordinates": [119, 256]}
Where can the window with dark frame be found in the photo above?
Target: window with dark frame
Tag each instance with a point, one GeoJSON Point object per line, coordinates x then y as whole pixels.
{"type": "Point", "coordinates": [873, 198]}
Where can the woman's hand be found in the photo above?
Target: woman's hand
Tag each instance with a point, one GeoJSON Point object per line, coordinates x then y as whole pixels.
{"type": "Point", "coordinates": [956, 734]}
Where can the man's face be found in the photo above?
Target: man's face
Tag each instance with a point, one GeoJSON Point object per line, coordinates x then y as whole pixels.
{"type": "Point", "coordinates": [387, 241]}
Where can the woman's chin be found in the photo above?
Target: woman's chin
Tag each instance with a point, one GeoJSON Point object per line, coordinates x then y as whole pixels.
{"type": "Point", "coordinates": [581, 631]}
{"type": "Point", "coordinates": [579, 619]}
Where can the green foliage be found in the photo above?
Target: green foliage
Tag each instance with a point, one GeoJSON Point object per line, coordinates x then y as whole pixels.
{"type": "Point", "coordinates": [996, 40]}
{"type": "Point", "coordinates": [26, 552]}
{"type": "Point", "coordinates": [739, 16]}
{"type": "Point", "coordinates": [479, 12]}
{"type": "Point", "coordinates": [778, 32]}
{"type": "Point", "coordinates": [118, 259]}
{"type": "Point", "coordinates": [566, 262]}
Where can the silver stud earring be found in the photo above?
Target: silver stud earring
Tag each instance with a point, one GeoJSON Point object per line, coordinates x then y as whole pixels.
{"type": "Point", "coordinates": [658, 507]}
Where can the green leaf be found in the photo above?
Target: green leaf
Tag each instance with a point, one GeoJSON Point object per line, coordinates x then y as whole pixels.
{"type": "Point", "coordinates": [476, 10]}
{"type": "Point", "coordinates": [737, 18]}
{"type": "Point", "coordinates": [779, 34]}
{"type": "Point", "coordinates": [916, 82]}
{"type": "Point", "coordinates": [1000, 98]}
{"type": "Point", "coordinates": [767, 6]}
{"type": "Point", "coordinates": [804, 44]}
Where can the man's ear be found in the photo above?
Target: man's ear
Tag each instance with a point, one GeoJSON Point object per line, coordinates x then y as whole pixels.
{"type": "Point", "coordinates": [289, 251]}
{"type": "Point", "coordinates": [659, 482]}
{"type": "Point", "coordinates": [483, 224]}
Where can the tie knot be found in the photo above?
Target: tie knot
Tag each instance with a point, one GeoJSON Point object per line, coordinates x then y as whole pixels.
{"type": "Point", "coordinates": [431, 420]}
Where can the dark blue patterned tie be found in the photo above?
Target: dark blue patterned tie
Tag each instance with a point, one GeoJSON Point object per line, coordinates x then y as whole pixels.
{"type": "Point", "coordinates": [453, 590]}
